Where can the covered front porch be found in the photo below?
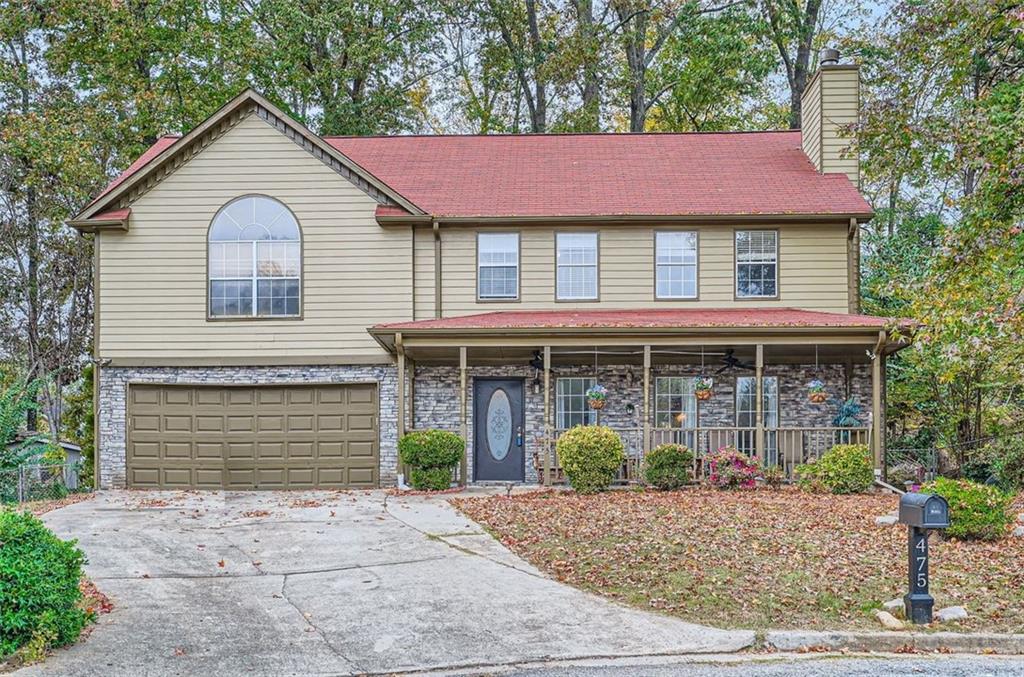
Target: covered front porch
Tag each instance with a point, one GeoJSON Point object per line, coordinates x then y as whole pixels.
{"type": "Point", "coordinates": [522, 387]}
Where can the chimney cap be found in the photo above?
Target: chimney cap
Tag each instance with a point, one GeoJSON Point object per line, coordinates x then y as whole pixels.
{"type": "Point", "coordinates": [829, 56]}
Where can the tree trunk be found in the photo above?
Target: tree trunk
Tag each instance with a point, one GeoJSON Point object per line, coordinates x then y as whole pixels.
{"type": "Point", "coordinates": [540, 110]}
{"type": "Point", "coordinates": [591, 118]}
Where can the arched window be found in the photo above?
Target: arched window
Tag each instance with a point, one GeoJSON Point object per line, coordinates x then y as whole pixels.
{"type": "Point", "coordinates": [255, 263]}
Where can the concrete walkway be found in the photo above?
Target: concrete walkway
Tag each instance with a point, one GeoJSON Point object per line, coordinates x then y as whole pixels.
{"type": "Point", "coordinates": [330, 583]}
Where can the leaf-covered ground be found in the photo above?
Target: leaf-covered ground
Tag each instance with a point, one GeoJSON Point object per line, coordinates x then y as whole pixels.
{"type": "Point", "coordinates": [753, 559]}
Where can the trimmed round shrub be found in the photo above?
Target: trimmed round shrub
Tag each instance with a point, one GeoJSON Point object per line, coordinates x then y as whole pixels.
{"type": "Point", "coordinates": [668, 466]}
{"type": "Point", "coordinates": [976, 511]}
{"type": "Point", "coordinates": [433, 455]}
{"type": "Point", "coordinates": [729, 468]}
{"type": "Point", "coordinates": [590, 455]}
{"type": "Point", "coordinates": [806, 475]}
{"type": "Point", "coordinates": [846, 469]}
{"type": "Point", "coordinates": [39, 576]}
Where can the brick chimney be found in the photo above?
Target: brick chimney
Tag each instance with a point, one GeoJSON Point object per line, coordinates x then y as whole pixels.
{"type": "Point", "coordinates": [830, 103]}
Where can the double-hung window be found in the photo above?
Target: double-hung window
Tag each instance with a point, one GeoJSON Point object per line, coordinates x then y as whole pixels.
{"type": "Point", "coordinates": [254, 260]}
{"type": "Point", "coordinates": [571, 408]}
{"type": "Point", "coordinates": [577, 266]}
{"type": "Point", "coordinates": [497, 266]}
{"type": "Point", "coordinates": [757, 263]}
{"type": "Point", "coordinates": [675, 262]}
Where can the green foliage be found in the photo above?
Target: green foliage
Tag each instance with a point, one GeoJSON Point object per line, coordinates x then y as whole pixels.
{"type": "Point", "coordinates": [806, 475]}
{"type": "Point", "coordinates": [78, 421]}
{"type": "Point", "coordinates": [433, 454]}
{"type": "Point", "coordinates": [668, 466]}
{"type": "Point", "coordinates": [17, 398]}
{"type": "Point", "coordinates": [976, 511]}
{"type": "Point", "coordinates": [773, 476]}
{"type": "Point", "coordinates": [590, 455]}
{"type": "Point", "coordinates": [729, 468]}
{"type": "Point", "coordinates": [846, 469]}
{"type": "Point", "coordinates": [1008, 465]}
{"type": "Point", "coordinates": [39, 576]}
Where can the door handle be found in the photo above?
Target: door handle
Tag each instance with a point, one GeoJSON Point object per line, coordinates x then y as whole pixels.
{"type": "Point", "coordinates": [519, 436]}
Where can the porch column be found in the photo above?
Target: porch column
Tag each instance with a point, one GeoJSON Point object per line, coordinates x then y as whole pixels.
{"type": "Point", "coordinates": [759, 405]}
{"type": "Point", "coordinates": [463, 427]}
{"type": "Point", "coordinates": [647, 400]}
{"type": "Point", "coordinates": [400, 396]}
{"type": "Point", "coordinates": [547, 416]}
{"type": "Point", "coordinates": [877, 421]}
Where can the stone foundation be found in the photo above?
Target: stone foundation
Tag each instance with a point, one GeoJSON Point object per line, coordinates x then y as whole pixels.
{"type": "Point", "coordinates": [113, 390]}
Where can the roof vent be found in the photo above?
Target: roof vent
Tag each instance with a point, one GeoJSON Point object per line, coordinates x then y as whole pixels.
{"type": "Point", "coordinates": [829, 56]}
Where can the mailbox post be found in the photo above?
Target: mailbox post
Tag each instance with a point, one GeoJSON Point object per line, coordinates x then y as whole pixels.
{"type": "Point", "coordinates": [920, 512]}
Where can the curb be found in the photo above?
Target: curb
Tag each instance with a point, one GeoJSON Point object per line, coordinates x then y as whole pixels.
{"type": "Point", "coordinates": [894, 642]}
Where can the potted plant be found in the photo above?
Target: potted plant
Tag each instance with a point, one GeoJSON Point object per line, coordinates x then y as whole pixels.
{"type": "Point", "coordinates": [702, 387]}
{"type": "Point", "coordinates": [597, 396]}
{"type": "Point", "coordinates": [816, 392]}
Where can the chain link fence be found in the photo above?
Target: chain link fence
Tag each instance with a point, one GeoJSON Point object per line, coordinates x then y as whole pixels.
{"type": "Point", "coordinates": [39, 482]}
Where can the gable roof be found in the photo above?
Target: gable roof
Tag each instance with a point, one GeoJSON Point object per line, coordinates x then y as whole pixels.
{"type": "Point", "coordinates": [606, 175]}
{"type": "Point", "coordinates": [162, 153]}
{"type": "Point", "coordinates": [545, 176]}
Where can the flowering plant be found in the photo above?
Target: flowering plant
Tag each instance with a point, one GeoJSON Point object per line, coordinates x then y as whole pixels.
{"type": "Point", "coordinates": [702, 386]}
{"type": "Point", "coordinates": [816, 391]}
{"type": "Point", "coordinates": [731, 469]}
{"type": "Point", "coordinates": [816, 386]}
{"type": "Point", "coordinates": [596, 396]}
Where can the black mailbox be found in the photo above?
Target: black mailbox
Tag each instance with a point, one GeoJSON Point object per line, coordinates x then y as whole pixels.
{"type": "Point", "coordinates": [925, 511]}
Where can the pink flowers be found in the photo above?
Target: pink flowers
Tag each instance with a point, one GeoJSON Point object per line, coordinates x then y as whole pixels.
{"type": "Point", "coordinates": [731, 469]}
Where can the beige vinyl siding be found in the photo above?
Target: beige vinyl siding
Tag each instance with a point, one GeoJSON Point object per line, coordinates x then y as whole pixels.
{"type": "Point", "coordinates": [840, 103]}
{"type": "Point", "coordinates": [153, 279]}
{"type": "Point", "coordinates": [810, 121]}
{"type": "Point", "coordinates": [424, 262]}
{"type": "Point", "coordinates": [812, 269]}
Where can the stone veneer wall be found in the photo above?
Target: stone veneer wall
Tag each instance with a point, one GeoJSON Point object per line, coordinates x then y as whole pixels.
{"type": "Point", "coordinates": [113, 389]}
{"type": "Point", "coordinates": [437, 397]}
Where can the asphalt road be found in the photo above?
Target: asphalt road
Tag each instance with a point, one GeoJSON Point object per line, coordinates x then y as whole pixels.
{"type": "Point", "coordinates": [798, 666]}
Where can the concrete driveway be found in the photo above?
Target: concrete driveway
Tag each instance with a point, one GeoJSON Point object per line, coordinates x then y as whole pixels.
{"type": "Point", "coordinates": [330, 583]}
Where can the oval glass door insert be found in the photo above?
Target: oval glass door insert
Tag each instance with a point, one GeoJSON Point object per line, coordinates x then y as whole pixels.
{"type": "Point", "coordinates": [499, 424]}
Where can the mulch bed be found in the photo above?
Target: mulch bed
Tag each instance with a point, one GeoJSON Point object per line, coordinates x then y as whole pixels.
{"type": "Point", "coordinates": [751, 559]}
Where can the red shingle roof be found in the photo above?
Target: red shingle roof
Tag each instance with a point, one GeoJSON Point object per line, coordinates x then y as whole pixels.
{"type": "Point", "coordinates": [653, 318]}
{"type": "Point", "coordinates": [604, 174]}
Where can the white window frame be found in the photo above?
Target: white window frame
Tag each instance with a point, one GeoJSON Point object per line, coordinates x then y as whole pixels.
{"type": "Point", "coordinates": [756, 260]}
{"type": "Point", "coordinates": [587, 415]}
{"type": "Point", "coordinates": [683, 266]}
{"type": "Point", "coordinates": [480, 265]}
{"type": "Point", "coordinates": [596, 265]}
{"type": "Point", "coordinates": [746, 440]}
{"type": "Point", "coordinates": [687, 393]}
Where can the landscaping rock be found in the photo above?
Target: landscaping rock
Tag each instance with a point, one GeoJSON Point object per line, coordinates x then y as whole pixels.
{"type": "Point", "coordinates": [951, 613]}
{"type": "Point", "coordinates": [1019, 532]}
{"type": "Point", "coordinates": [896, 607]}
{"type": "Point", "coordinates": [886, 520]}
{"type": "Point", "coordinates": [888, 621]}
{"type": "Point", "coordinates": [1020, 517]}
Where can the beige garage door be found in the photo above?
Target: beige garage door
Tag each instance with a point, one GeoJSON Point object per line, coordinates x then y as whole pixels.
{"type": "Point", "coordinates": [266, 437]}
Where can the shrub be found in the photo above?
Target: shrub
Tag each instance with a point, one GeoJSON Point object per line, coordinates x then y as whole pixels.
{"type": "Point", "coordinates": [976, 511]}
{"type": "Point", "coordinates": [1008, 466]}
{"type": "Point", "coordinates": [846, 469]}
{"type": "Point", "coordinates": [590, 455]}
{"type": "Point", "coordinates": [806, 475]}
{"type": "Point", "coordinates": [773, 476]}
{"type": "Point", "coordinates": [433, 454]}
{"type": "Point", "coordinates": [39, 576]}
{"type": "Point", "coordinates": [731, 469]}
{"type": "Point", "coordinates": [668, 466]}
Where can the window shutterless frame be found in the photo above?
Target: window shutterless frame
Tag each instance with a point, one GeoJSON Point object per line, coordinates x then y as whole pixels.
{"type": "Point", "coordinates": [696, 265]}
{"type": "Point", "coordinates": [210, 317]}
{"type": "Point", "coordinates": [736, 266]}
{"type": "Point", "coordinates": [597, 267]}
{"type": "Point", "coordinates": [519, 268]}
{"type": "Point", "coordinates": [587, 415]}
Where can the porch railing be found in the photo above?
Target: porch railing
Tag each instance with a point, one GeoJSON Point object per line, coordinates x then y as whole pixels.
{"type": "Point", "coordinates": [785, 447]}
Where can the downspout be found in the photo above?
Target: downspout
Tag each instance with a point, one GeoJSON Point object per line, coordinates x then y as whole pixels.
{"type": "Point", "coordinates": [437, 268]}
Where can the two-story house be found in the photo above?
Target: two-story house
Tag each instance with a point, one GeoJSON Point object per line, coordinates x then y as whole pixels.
{"type": "Point", "coordinates": [274, 309]}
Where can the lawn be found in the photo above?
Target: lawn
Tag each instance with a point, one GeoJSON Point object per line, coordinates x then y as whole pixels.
{"type": "Point", "coordinates": [751, 559]}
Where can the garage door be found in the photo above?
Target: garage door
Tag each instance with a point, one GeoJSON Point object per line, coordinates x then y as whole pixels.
{"type": "Point", "coordinates": [266, 437]}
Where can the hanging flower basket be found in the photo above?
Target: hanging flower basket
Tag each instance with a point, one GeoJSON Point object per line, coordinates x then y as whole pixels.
{"type": "Point", "coordinates": [597, 396]}
{"type": "Point", "coordinates": [703, 388]}
{"type": "Point", "coordinates": [816, 392]}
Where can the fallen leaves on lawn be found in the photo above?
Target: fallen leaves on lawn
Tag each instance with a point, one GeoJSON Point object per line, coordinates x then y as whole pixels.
{"type": "Point", "coordinates": [750, 559]}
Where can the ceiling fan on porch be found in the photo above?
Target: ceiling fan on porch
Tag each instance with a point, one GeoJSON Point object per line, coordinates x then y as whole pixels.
{"type": "Point", "coordinates": [730, 361]}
